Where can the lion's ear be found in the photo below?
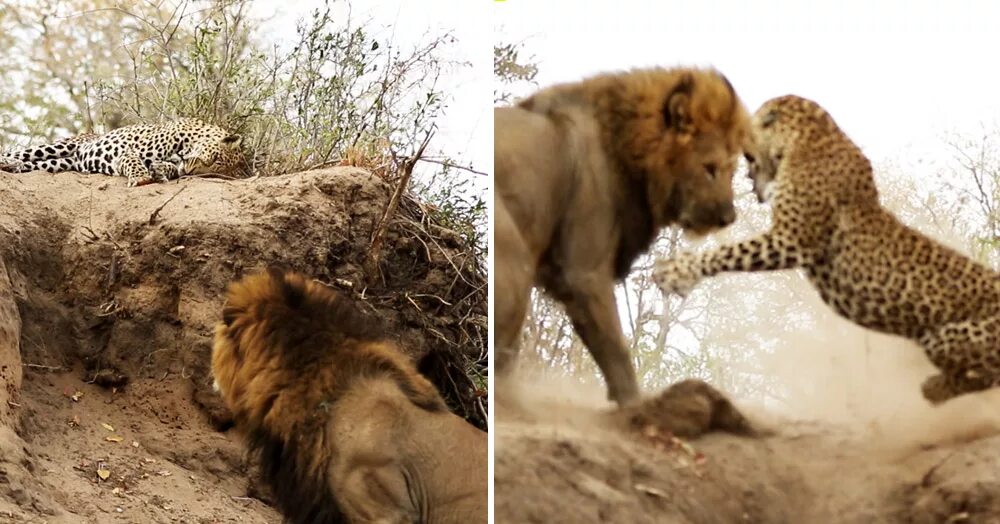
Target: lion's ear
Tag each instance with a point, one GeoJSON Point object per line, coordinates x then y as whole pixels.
{"type": "Point", "coordinates": [677, 108]}
{"type": "Point", "coordinates": [229, 314]}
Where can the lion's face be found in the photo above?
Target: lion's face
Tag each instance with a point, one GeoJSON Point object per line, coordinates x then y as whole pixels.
{"type": "Point", "coordinates": [705, 184]}
{"type": "Point", "coordinates": [705, 127]}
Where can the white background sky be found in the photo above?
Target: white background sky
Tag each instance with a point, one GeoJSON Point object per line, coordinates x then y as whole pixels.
{"type": "Point", "coordinates": [466, 130]}
{"type": "Point", "coordinates": [894, 74]}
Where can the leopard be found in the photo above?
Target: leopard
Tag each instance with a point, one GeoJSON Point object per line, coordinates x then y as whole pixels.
{"type": "Point", "coordinates": [142, 153]}
{"type": "Point", "coordinates": [866, 264]}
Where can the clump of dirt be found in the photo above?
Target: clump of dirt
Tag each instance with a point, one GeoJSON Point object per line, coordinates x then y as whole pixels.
{"type": "Point", "coordinates": [108, 297]}
{"type": "Point", "coordinates": [558, 459]}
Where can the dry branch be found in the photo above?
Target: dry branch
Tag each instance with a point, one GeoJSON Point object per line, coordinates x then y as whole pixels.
{"type": "Point", "coordinates": [156, 212]}
{"type": "Point", "coordinates": [390, 208]}
{"type": "Point", "coordinates": [445, 163]}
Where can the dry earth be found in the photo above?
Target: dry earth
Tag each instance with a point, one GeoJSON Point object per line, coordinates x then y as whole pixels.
{"type": "Point", "coordinates": [107, 300]}
{"type": "Point", "coordinates": [561, 459]}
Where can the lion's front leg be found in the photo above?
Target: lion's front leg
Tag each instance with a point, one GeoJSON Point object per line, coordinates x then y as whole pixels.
{"type": "Point", "coordinates": [767, 252]}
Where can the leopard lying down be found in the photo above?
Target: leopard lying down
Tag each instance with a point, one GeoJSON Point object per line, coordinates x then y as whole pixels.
{"type": "Point", "coordinates": [142, 153]}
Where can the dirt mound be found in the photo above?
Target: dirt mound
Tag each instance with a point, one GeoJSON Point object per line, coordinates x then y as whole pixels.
{"type": "Point", "coordinates": [556, 461]}
{"type": "Point", "coordinates": [108, 296]}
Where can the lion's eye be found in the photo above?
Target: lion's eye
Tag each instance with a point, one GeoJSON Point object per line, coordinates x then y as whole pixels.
{"type": "Point", "coordinates": [711, 169]}
{"type": "Point", "coordinates": [749, 157]}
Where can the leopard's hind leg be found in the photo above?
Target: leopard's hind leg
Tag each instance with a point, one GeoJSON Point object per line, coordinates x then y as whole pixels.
{"type": "Point", "coordinates": [52, 165]}
{"type": "Point", "coordinates": [63, 148]}
{"type": "Point", "coordinates": [968, 355]}
{"type": "Point", "coordinates": [55, 157]}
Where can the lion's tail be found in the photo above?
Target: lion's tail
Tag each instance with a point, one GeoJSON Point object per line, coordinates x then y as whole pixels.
{"type": "Point", "coordinates": [310, 324]}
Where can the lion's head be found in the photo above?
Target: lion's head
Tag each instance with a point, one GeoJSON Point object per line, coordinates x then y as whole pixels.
{"type": "Point", "coordinates": [339, 418]}
{"type": "Point", "coordinates": [682, 131]}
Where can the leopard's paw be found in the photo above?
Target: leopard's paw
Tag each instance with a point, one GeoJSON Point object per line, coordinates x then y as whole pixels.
{"type": "Point", "coordinates": [678, 275]}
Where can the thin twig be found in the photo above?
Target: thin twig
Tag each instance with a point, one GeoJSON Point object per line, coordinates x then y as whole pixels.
{"type": "Point", "coordinates": [152, 217]}
{"type": "Point", "coordinates": [40, 366]}
{"type": "Point", "coordinates": [210, 176]}
{"type": "Point", "coordinates": [324, 164]}
{"type": "Point", "coordinates": [383, 224]}
{"type": "Point", "coordinates": [445, 163]}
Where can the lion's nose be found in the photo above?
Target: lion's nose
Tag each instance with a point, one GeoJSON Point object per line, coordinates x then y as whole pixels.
{"type": "Point", "coordinates": [727, 216]}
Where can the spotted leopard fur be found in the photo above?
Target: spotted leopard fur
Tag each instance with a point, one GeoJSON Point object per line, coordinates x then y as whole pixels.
{"type": "Point", "coordinates": [142, 153]}
{"type": "Point", "coordinates": [866, 264]}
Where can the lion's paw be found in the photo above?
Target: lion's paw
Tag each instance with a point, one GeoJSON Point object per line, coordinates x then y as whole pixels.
{"type": "Point", "coordinates": [678, 275]}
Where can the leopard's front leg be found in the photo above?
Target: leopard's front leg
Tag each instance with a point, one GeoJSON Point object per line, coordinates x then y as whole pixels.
{"type": "Point", "coordinates": [163, 171]}
{"type": "Point", "coordinates": [766, 252]}
{"type": "Point", "coordinates": [131, 167]}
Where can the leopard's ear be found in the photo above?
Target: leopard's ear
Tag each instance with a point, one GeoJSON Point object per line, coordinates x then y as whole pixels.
{"type": "Point", "coordinates": [768, 119]}
{"type": "Point", "coordinates": [233, 141]}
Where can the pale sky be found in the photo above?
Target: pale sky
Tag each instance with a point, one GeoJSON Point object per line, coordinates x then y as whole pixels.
{"type": "Point", "coordinates": [894, 74]}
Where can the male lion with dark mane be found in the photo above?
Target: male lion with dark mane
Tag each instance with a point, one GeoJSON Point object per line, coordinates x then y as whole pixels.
{"type": "Point", "coordinates": [587, 174]}
{"type": "Point", "coordinates": [345, 427]}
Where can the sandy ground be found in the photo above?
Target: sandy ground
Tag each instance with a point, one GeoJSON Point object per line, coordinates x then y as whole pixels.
{"type": "Point", "coordinates": [107, 300]}
{"type": "Point", "coordinates": [558, 460]}
{"type": "Point", "coordinates": [163, 461]}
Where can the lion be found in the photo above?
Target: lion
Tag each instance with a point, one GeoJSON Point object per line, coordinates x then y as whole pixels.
{"type": "Point", "coordinates": [587, 174]}
{"type": "Point", "coordinates": [345, 427]}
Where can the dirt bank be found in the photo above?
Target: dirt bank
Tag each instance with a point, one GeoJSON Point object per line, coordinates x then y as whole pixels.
{"type": "Point", "coordinates": [557, 460]}
{"type": "Point", "coordinates": [107, 299]}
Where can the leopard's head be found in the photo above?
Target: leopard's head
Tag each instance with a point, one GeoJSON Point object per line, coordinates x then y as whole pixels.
{"type": "Point", "coordinates": [224, 157]}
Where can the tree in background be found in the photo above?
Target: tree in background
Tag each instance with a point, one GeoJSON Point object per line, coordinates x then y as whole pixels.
{"type": "Point", "coordinates": [974, 177]}
{"type": "Point", "coordinates": [58, 52]}
{"type": "Point", "coordinates": [510, 72]}
{"type": "Point", "coordinates": [337, 95]}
